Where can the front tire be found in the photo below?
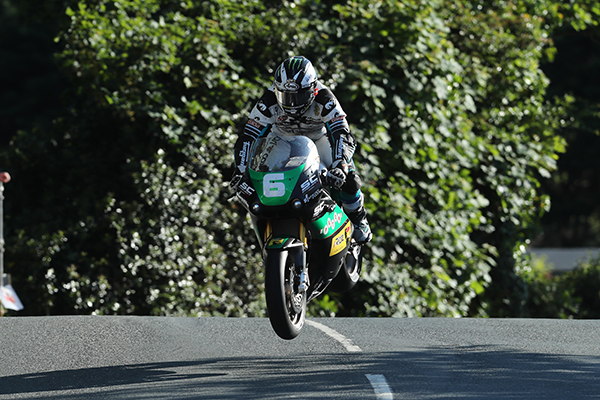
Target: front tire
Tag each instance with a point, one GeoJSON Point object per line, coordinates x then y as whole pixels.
{"type": "Point", "coordinates": [287, 307]}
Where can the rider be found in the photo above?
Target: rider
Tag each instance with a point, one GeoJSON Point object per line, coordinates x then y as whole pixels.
{"type": "Point", "coordinates": [298, 104]}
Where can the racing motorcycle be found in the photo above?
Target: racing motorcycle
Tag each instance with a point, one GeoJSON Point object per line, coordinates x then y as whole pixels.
{"type": "Point", "coordinates": [305, 236]}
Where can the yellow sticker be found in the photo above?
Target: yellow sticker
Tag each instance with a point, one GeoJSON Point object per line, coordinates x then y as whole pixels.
{"type": "Point", "coordinates": [338, 243]}
{"type": "Point", "coordinates": [276, 242]}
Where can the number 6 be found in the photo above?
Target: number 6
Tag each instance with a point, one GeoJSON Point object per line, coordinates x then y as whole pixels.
{"type": "Point", "coordinates": [271, 186]}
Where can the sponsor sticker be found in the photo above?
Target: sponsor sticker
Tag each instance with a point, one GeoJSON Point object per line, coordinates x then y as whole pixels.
{"type": "Point", "coordinates": [309, 197]}
{"type": "Point", "coordinates": [338, 243]}
{"type": "Point", "coordinates": [254, 123]}
{"type": "Point", "coordinates": [291, 85]}
{"type": "Point", "coordinates": [310, 184]}
{"type": "Point", "coordinates": [246, 189]}
{"type": "Point", "coordinates": [331, 223]}
{"type": "Point", "coordinates": [244, 154]}
{"type": "Point", "coordinates": [277, 242]}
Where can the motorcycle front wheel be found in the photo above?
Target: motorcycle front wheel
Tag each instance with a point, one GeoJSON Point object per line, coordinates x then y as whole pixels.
{"type": "Point", "coordinates": [285, 304]}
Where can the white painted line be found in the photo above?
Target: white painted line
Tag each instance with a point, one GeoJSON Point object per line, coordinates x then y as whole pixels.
{"type": "Point", "coordinates": [347, 343]}
{"type": "Point", "coordinates": [378, 382]}
{"type": "Point", "coordinates": [380, 385]}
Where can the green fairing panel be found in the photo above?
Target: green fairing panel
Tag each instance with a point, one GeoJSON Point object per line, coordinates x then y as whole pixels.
{"type": "Point", "coordinates": [275, 188]}
{"type": "Point", "coordinates": [329, 223]}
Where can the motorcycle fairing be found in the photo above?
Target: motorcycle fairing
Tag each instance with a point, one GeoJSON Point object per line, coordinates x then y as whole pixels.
{"type": "Point", "coordinates": [275, 188]}
{"type": "Point", "coordinates": [278, 163]}
{"type": "Point", "coordinates": [329, 223]}
{"type": "Point", "coordinates": [340, 241]}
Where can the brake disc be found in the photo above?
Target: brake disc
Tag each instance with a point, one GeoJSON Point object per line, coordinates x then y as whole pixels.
{"type": "Point", "coordinates": [297, 302]}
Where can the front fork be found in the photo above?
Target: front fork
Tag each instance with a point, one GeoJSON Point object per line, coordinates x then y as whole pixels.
{"type": "Point", "coordinates": [289, 235]}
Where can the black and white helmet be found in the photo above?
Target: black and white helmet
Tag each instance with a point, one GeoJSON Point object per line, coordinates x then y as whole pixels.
{"type": "Point", "coordinates": [295, 85]}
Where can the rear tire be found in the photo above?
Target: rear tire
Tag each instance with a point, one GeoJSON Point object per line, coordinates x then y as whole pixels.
{"type": "Point", "coordinates": [287, 307]}
{"type": "Point", "coordinates": [349, 274]}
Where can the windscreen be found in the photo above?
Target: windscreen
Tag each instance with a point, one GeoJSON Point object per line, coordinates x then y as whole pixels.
{"type": "Point", "coordinates": [282, 153]}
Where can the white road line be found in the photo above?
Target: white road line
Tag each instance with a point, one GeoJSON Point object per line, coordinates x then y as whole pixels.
{"type": "Point", "coordinates": [347, 343]}
{"type": "Point", "coordinates": [380, 385]}
{"type": "Point", "coordinates": [378, 382]}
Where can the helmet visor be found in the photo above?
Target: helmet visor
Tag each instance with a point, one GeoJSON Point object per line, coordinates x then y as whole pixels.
{"type": "Point", "coordinates": [294, 99]}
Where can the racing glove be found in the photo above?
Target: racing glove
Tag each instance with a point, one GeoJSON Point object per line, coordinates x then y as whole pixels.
{"type": "Point", "coordinates": [334, 177]}
{"type": "Point", "coordinates": [236, 179]}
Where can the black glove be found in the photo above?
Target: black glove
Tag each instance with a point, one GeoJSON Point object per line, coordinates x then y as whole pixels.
{"type": "Point", "coordinates": [335, 178]}
{"type": "Point", "coordinates": [236, 179]}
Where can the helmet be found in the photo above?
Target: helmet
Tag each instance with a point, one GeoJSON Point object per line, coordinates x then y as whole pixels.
{"type": "Point", "coordinates": [295, 83]}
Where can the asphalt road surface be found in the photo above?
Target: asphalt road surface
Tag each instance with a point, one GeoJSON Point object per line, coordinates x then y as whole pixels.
{"type": "Point", "coordinates": [241, 358]}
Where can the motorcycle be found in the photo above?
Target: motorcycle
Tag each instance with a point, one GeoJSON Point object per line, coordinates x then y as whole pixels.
{"type": "Point", "coordinates": [305, 236]}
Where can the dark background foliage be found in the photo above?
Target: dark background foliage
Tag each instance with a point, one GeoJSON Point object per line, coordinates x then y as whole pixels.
{"type": "Point", "coordinates": [119, 118]}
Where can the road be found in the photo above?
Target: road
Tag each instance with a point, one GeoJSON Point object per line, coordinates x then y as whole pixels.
{"type": "Point", "coordinates": [241, 358]}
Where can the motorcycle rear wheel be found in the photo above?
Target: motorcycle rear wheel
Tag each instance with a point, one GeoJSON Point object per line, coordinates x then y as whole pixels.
{"type": "Point", "coordinates": [349, 273]}
{"type": "Point", "coordinates": [286, 306]}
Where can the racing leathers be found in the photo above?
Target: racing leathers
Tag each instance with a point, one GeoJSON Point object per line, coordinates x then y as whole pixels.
{"type": "Point", "coordinates": [324, 122]}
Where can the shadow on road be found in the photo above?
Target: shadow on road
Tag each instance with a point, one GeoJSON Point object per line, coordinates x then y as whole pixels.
{"type": "Point", "coordinates": [491, 372]}
{"type": "Point", "coordinates": [473, 372]}
{"type": "Point", "coordinates": [104, 377]}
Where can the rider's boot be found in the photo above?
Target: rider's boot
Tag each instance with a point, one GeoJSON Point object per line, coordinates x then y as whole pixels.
{"type": "Point", "coordinates": [358, 216]}
{"type": "Point", "coordinates": [362, 230]}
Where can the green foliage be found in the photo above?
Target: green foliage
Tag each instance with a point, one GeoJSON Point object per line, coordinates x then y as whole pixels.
{"type": "Point", "coordinates": [574, 219]}
{"type": "Point", "coordinates": [141, 223]}
{"type": "Point", "coordinates": [572, 294]}
{"type": "Point", "coordinates": [456, 133]}
{"type": "Point", "coordinates": [398, 78]}
{"type": "Point", "coordinates": [121, 200]}
{"type": "Point", "coordinates": [582, 285]}
{"type": "Point", "coordinates": [544, 298]}
{"type": "Point", "coordinates": [518, 128]}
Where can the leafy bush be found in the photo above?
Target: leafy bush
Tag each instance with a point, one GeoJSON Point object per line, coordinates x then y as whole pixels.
{"type": "Point", "coordinates": [120, 202]}
{"type": "Point", "coordinates": [582, 287]}
{"type": "Point", "coordinates": [570, 294]}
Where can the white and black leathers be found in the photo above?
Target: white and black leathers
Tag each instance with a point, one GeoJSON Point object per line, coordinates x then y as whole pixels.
{"type": "Point", "coordinates": [324, 122]}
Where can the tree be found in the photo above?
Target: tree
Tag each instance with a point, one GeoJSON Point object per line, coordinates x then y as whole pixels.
{"type": "Point", "coordinates": [574, 218]}
{"type": "Point", "coordinates": [456, 129]}
{"type": "Point", "coordinates": [447, 101]}
{"type": "Point", "coordinates": [132, 173]}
